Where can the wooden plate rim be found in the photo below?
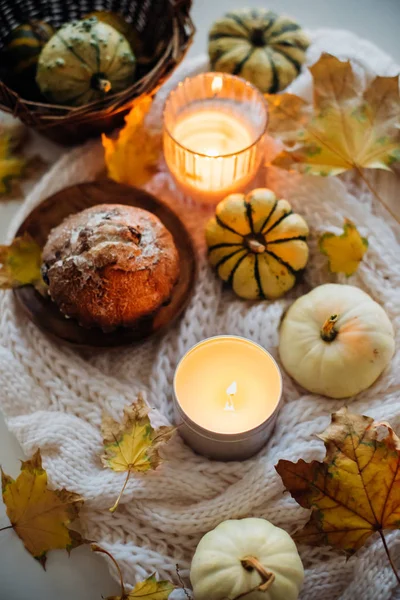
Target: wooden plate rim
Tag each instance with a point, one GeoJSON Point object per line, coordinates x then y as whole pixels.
{"type": "Point", "coordinates": [121, 336]}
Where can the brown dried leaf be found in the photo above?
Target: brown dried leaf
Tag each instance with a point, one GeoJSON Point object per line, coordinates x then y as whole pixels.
{"type": "Point", "coordinates": [355, 492]}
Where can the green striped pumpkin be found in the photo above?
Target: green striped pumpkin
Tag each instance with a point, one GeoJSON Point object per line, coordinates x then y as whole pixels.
{"type": "Point", "coordinates": [24, 45]}
{"type": "Point", "coordinates": [21, 53]}
{"type": "Point", "coordinates": [83, 61]}
{"type": "Point", "coordinates": [257, 244]}
{"type": "Point", "coordinates": [260, 46]}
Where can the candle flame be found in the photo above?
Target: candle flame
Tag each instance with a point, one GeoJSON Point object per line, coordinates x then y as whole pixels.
{"type": "Point", "coordinates": [232, 389]}
{"type": "Point", "coordinates": [216, 85]}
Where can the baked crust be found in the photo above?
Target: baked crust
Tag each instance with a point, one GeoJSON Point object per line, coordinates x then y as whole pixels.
{"type": "Point", "coordinates": [110, 265]}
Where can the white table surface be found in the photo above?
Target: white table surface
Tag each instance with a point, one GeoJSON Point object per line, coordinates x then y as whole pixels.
{"type": "Point", "coordinates": [84, 576]}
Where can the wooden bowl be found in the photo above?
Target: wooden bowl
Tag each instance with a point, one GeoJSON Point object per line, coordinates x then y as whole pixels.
{"type": "Point", "coordinates": [45, 313]}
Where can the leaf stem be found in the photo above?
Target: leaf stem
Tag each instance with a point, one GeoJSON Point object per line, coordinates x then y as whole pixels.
{"type": "Point", "coordinates": [96, 548]}
{"type": "Point", "coordinates": [7, 527]}
{"type": "Point", "coordinates": [182, 583]}
{"type": "Point", "coordinates": [375, 193]}
{"type": "Point", "coordinates": [114, 508]}
{"type": "Point", "coordinates": [389, 556]}
{"type": "Point", "coordinates": [349, 164]}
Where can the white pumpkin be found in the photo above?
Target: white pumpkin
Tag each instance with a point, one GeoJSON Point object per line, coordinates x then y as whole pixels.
{"type": "Point", "coordinates": [230, 561]}
{"type": "Point", "coordinates": [336, 340]}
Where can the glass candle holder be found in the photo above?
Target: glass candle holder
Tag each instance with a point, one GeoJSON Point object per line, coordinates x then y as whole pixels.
{"type": "Point", "coordinates": [214, 126]}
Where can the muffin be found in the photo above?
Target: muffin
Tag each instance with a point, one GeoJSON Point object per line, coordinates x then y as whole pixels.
{"type": "Point", "coordinates": [110, 265]}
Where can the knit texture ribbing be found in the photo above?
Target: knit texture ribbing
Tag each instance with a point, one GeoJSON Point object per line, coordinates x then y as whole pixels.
{"type": "Point", "coordinates": [53, 396]}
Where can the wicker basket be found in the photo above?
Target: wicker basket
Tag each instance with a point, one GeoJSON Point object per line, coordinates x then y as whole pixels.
{"type": "Point", "coordinates": [164, 23]}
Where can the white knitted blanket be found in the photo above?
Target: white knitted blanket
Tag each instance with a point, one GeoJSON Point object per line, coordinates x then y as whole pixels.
{"type": "Point", "coordinates": [53, 396]}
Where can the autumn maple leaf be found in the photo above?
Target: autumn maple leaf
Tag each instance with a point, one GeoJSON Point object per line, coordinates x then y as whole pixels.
{"type": "Point", "coordinates": [345, 251]}
{"type": "Point", "coordinates": [133, 445]}
{"type": "Point", "coordinates": [350, 125]}
{"type": "Point", "coordinates": [355, 491]}
{"type": "Point", "coordinates": [11, 166]}
{"type": "Point", "coordinates": [20, 263]}
{"type": "Point", "coordinates": [150, 588]}
{"type": "Point", "coordinates": [39, 516]}
{"type": "Point", "coordinates": [133, 157]}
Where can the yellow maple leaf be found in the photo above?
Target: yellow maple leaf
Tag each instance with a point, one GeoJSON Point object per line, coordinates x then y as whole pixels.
{"type": "Point", "coordinates": [345, 251]}
{"type": "Point", "coordinates": [133, 157]}
{"type": "Point", "coordinates": [11, 166]}
{"type": "Point", "coordinates": [133, 445]}
{"type": "Point", "coordinates": [350, 125]}
{"type": "Point", "coordinates": [150, 588]}
{"type": "Point", "coordinates": [20, 263]}
{"type": "Point", "coordinates": [39, 516]}
{"type": "Point", "coordinates": [355, 492]}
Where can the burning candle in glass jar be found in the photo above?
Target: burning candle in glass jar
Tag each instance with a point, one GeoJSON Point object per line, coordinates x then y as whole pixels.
{"type": "Point", "coordinates": [213, 134]}
{"type": "Point", "coordinates": [227, 393]}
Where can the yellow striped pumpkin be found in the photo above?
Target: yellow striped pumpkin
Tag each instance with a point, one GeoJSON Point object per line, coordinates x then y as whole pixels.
{"type": "Point", "coordinates": [260, 46]}
{"type": "Point", "coordinates": [257, 244]}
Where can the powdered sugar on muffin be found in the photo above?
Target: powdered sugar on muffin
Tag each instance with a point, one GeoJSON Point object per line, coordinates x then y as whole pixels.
{"type": "Point", "coordinates": [120, 260]}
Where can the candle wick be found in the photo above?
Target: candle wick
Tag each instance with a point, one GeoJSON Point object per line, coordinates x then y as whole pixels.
{"type": "Point", "coordinates": [231, 391]}
{"type": "Point", "coordinates": [229, 406]}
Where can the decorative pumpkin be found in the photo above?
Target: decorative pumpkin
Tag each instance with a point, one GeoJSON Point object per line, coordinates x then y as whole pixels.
{"type": "Point", "coordinates": [257, 244]}
{"type": "Point", "coordinates": [336, 340]}
{"type": "Point", "coordinates": [120, 24]}
{"type": "Point", "coordinates": [21, 54]}
{"type": "Point", "coordinates": [259, 45]}
{"type": "Point", "coordinates": [246, 558]}
{"type": "Point", "coordinates": [84, 61]}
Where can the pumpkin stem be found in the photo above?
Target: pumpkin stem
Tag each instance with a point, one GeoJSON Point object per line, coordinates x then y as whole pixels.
{"type": "Point", "coordinates": [99, 82]}
{"type": "Point", "coordinates": [328, 330]}
{"type": "Point", "coordinates": [257, 37]}
{"type": "Point", "coordinates": [255, 246]}
{"type": "Point", "coordinates": [268, 578]}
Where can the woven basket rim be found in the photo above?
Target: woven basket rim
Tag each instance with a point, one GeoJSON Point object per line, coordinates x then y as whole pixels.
{"type": "Point", "coordinates": [75, 110]}
{"type": "Point", "coordinates": [173, 53]}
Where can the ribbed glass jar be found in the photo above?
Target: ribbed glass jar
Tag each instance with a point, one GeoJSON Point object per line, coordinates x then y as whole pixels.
{"type": "Point", "coordinates": [214, 126]}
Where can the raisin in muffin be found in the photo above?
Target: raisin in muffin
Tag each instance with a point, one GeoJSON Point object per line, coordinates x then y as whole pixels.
{"type": "Point", "coordinates": [110, 265]}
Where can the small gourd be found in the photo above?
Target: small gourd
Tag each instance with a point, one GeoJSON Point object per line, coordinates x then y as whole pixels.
{"type": "Point", "coordinates": [336, 340]}
{"type": "Point", "coordinates": [21, 54]}
{"type": "Point", "coordinates": [260, 46]}
{"type": "Point", "coordinates": [127, 29]}
{"type": "Point", "coordinates": [84, 61]}
{"type": "Point", "coordinates": [118, 22]}
{"type": "Point", "coordinates": [247, 558]}
{"type": "Point", "coordinates": [257, 244]}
